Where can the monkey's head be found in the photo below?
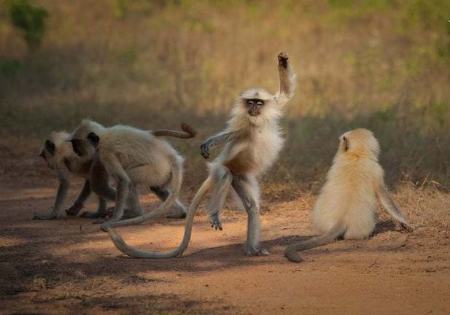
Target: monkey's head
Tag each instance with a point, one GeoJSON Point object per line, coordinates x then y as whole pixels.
{"type": "Point", "coordinates": [256, 105]}
{"type": "Point", "coordinates": [359, 142]}
{"type": "Point", "coordinates": [81, 143]}
{"type": "Point", "coordinates": [52, 146]}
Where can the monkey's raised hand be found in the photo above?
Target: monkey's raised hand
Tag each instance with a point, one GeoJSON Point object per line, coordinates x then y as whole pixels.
{"type": "Point", "coordinates": [283, 60]}
{"type": "Point", "coordinates": [204, 149]}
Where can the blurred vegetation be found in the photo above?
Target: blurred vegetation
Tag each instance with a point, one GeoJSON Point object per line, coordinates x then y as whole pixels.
{"type": "Point", "coordinates": [380, 64]}
{"type": "Point", "coordinates": [29, 19]}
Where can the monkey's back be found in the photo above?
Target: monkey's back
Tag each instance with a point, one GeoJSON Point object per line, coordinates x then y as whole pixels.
{"type": "Point", "coordinates": [137, 148]}
{"type": "Point", "coordinates": [348, 198]}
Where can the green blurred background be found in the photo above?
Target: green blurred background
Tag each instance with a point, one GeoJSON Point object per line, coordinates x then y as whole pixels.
{"type": "Point", "coordinates": [379, 64]}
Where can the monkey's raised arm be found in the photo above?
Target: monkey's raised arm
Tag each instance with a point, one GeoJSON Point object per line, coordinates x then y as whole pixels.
{"type": "Point", "coordinates": [220, 138]}
{"type": "Point", "coordinates": [383, 195]}
{"type": "Point", "coordinates": [287, 79]}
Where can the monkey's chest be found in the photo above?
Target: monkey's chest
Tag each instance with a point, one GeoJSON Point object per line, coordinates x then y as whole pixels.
{"type": "Point", "coordinates": [260, 154]}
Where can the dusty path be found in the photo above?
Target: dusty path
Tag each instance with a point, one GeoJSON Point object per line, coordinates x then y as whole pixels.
{"type": "Point", "coordinates": [70, 267]}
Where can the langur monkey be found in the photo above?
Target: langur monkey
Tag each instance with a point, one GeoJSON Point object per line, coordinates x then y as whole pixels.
{"type": "Point", "coordinates": [347, 202]}
{"type": "Point", "coordinates": [132, 156]}
{"type": "Point", "coordinates": [58, 154]}
{"type": "Point", "coordinates": [252, 141]}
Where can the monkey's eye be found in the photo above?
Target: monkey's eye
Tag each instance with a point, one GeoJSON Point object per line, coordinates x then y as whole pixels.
{"type": "Point", "coordinates": [250, 102]}
{"type": "Point", "coordinates": [260, 102]}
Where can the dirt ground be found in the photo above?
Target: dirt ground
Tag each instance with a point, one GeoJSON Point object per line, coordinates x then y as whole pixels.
{"type": "Point", "coordinates": [69, 266]}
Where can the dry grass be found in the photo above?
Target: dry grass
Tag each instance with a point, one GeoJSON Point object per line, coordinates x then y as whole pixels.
{"type": "Point", "coordinates": [384, 65]}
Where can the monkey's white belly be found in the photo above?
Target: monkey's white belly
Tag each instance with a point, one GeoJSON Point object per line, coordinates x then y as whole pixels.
{"type": "Point", "coordinates": [266, 147]}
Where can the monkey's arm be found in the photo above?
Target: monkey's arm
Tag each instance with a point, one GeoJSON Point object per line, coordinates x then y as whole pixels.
{"type": "Point", "coordinates": [287, 80]}
{"type": "Point", "coordinates": [220, 138]}
{"type": "Point", "coordinates": [114, 168]}
{"type": "Point", "coordinates": [391, 208]}
{"type": "Point", "coordinates": [79, 202]}
{"type": "Point", "coordinates": [61, 195]}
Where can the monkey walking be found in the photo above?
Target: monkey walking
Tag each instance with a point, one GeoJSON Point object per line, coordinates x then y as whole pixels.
{"type": "Point", "coordinates": [347, 202]}
{"type": "Point", "coordinates": [132, 156]}
{"type": "Point", "coordinates": [252, 141]}
{"type": "Point", "coordinates": [58, 154]}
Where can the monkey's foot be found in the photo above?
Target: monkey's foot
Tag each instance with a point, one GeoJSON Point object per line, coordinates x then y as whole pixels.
{"type": "Point", "coordinates": [178, 214]}
{"type": "Point", "coordinates": [283, 59]}
{"type": "Point", "coordinates": [215, 222]}
{"type": "Point", "coordinates": [96, 215]}
{"type": "Point", "coordinates": [74, 209]}
{"type": "Point", "coordinates": [50, 216]}
{"type": "Point", "coordinates": [204, 150]}
{"type": "Point", "coordinates": [250, 251]}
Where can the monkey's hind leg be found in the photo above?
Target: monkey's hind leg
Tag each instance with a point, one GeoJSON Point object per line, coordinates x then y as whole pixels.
{"type": "Point", "coordinates": [163, 193]}
{"type": "Point", "coordinates": [222, 185]}
{"type": "Point", "coordinates": [247, 193]}
{"type": "Point", "coordinates": [101, 212]}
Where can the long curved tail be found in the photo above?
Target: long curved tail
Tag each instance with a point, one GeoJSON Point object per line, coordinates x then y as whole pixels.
{"type": "Point", "coordinates": [187, 133]}
{"type": "Point", "coordinates": [292, 250]}
{"type": "Point", "coordinates": [137, 253]}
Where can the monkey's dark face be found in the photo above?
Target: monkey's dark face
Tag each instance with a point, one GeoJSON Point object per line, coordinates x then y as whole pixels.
{"type": "Point", "coordinates": [254, 106]}
{"type": "Point", "coordinates": [48, 152]}
{"type": "Point", "coordinates": [78, 147]}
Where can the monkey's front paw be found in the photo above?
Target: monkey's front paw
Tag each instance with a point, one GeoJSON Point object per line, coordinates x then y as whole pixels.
{"type": "Point", "coordinates": [283, 59]}
{"type": "Point", "coordinates": [204, 149]}
{"type": "Point", "coordinates": [50, 216]}
{"type": "Point", "coordinates": [74, 210]}
{"type": "Point", "coordinates": [215, 222]}
{"type": "Point", "coordinates": [98, 214]}
{"type": "Point", "coordinates": [257, 251]}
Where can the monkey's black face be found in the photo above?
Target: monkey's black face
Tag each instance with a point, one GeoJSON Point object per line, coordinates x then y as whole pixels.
{"type": "Point", "coordinates": [254, 106]}
{"type": "Point", "coordinates": [77, 146]}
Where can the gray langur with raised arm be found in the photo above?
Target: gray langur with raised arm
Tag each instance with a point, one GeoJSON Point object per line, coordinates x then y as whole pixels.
{"type": "Point", "coordinates": [347, 204]}
{"type": "Point", "coordinates": [252, 141]}
{"type": "Point", "coordinates": [132, 156]}
{"type": "Point", "coordinates": [58, 154]}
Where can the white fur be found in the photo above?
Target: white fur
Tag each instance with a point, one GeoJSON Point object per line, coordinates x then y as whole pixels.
{"type": "Point", "coordinates": [348, 196]}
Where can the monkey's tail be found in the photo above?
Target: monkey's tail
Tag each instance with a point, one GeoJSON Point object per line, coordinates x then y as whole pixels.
{"type": "Point", "coordinates": [137, 253]}
{"type": "Point", "coordinates": [292, 250]}
{"type": "Point", "coordinates": [187, 133]}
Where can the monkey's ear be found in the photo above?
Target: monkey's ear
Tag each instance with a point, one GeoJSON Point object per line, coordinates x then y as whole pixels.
{"type": "Point", "coordinates": [50, 147]}
{"type": "Point", "coordinates": [93, 139]}
{"type": "Point", "coordinates": [345, 143]}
